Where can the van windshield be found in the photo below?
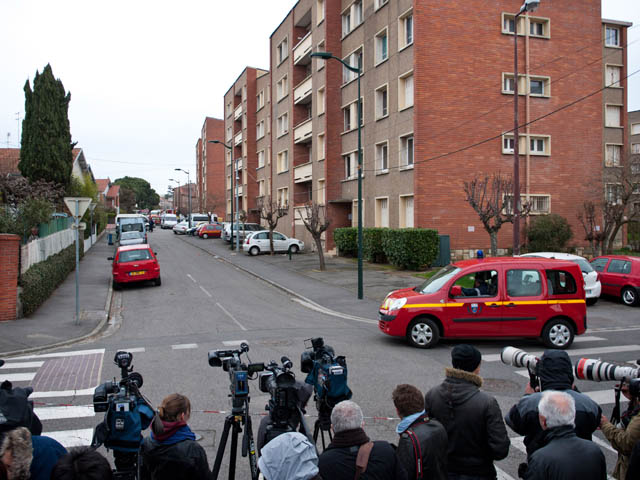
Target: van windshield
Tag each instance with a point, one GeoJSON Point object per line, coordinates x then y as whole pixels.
{"type": "Point", "coordinates": [170, 218]}
{"type": "Point", "coordinates": [133, 227]}
{"type": "Point", "coordinates": [435, 283]}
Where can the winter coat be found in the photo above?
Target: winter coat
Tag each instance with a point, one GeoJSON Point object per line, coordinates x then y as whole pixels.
{"type": "Point", "coordinates": [431, 443]}
{"type": "Point", "coordinates": [473, 421]}
{"type": "Point", "coordinates": [623, 440]}
{"type": "Point", "coordinates": [563, 455]}
{"type": "Point", "coordinates": [16, 410]}
{"type": "Point", "coordinates": [633, 472]}
{"type": "Point", "coordinates": [338, 461]}
{"type": "Point", "coordinates": [46, 453]}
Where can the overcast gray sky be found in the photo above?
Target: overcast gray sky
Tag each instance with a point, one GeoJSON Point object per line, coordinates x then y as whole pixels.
{"type": "Point", "coordinates": [143, 74]}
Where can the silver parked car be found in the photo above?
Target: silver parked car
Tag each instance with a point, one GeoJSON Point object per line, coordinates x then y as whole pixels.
{"type": "Point", "coordinates": [132, 238]}
{"type": "Point", "coordinates": [257, 242]}
{"type": "Point", "coordinates": [241, 228]}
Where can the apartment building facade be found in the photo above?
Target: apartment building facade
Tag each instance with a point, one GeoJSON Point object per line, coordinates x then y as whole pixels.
{"type": "Point", "coordinates": [210, 168]}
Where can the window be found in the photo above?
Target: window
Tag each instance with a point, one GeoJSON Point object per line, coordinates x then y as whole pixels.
{"type": "Point", "coordinates": [635, 170]}
{"type": "Point", "coordinates": [619, 266]}
{"type": "Point", "coordinates": [613, 76]}
{"type": "Point", "coordinates": [479, 284]}
{"type": "Point", "coordinates": [539, 204]}
{"type": "Point", "coordinates": [524, 283]}
{"type": "Point", "coordinates": [319, 11]}
{"type": "Point", "coordinates": [350, 114]}
{"type": "Point", "coordinates": [260, 130]}
{"type": "Point", "coordinates": [507, 144]}
{"type": "Point", "coordinates": [282, 88]}
{"type": "Point", "coordinates": [260, 100]}
{"type": "Point", "coordinates": [635, 129]}
{"type": "Point", "coordinates": [283, 196]}
{"type": "Point", "coordinates": [405, 91]}
{"type": "Point", "coordinates": [613, 116]}
{"type": "Point", "coordinates": [613, 193]}
{"type": "Point", "coordinates": [612, 37]}
{"type": "Point", "coordinates": [536, 28]}
{"type": "Point", "coordinates": [320, 63]}
{"type": "Point", "coordinates": [508, 24]}
{"type": "Point", "coordinates": [406, 151]}
{"type": "Point", "coordinates": [508, 85]}
{"type": "Point", "coordinates": [282, 51]}
{"type": "Point", "coordinates": [599, 263]}
{"type": "Point", "coordinates": [321, 101]}
{"type": "Point", "coordinates": [405, 30]}
{"type": "Point", "coordinates": [536, 145]}
{"type": "Point", "coordinates": [229, 108]}
{"type": "Point", "coordinates": [382, 157]}
{"type": "Point", "coordinates": [635, 148]}
{"type": "Point", "coordinates": [229, 133]}
{"type": "Point", "coordinates": [321, 147]}
{"type": "Point", "coordinates": [380, 3]}
{"type": "Point", "coordinates": [354, 213]}
{"type": "Point", "coordinates": [350, 165]}
{"type": "Point", "coordinates": [282, 125]}
{"type": "Point", "coordinates": [261, 188]}
{"type": "Point", "coordinates": [613, 155]}
{"type": "Point", "coordinates": [406, 211]}
{"type": "Point", "coordinates": [539, 86]}
{"type": "Point", "coordinates": [283, 161]}
{"type": "Point", "coordinates": [261, 159]}
{"type": "Point", "coordinates": [382, 212]}
{"type": "Point", "coordinates": [354, 60]}
{"type": "Point", "coordinates": [560, 282]}
{"type": "Point", "coordinates": [382, 50]}
{"type": "Point", "coordinates": [382, 102]}
{"type": "Point", "coordinates": [351, 17]}
{"type": "Point", "coordinates": [321, 192]}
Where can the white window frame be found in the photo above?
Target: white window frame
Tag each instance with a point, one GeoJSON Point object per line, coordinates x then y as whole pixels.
{"type": "Point", "coordinates": [353, 116]}
{"type": "Point", "coordinates": [607, 37]}
{"type": "Point", "coordinates": [282, 88]}
{"type": "Point", "coordinates": [261, 187]}
{"type": "Point", "coordinates": [402, 30]}
{"type": "Point", "coordinates": [349, 17]}
{"type": "Point", "coordinates": [609, 68]}
{"type": "Point", "coordinates": [521, 27]}
{"type": "Point", "coordinates": [524, 144]}
{"type": "Point", "coordinates": [320, 11]}
{"type": "Point", "coordinates": [321, 147]}
{"type": "Point", "coordinates": [617, 193]}
{"type": "Point", "coordinates": [613, 161]}
{"type": "Point", "coordinates": [282, 163]}
{"type": "Point", "coordinates": [531, 201]}
{"type": "Point", "coordinates": [347, 75]}
{"type": "Point", "coordinates": [545, 145]}
{"type": "Point", "coordinates": [379, 59]}
{"type": "Point", "coordinates": [380, 113]}
{"type": "Point", "coordinates": [354, 213]}
{"type": "Point", "coordinates": [403, 219]}
{"type": "Point", "coordinates": [283, 196]}
{"type": "Point", "coordinates": [321, 101]}
{"type": "Point", "coordinates": [380, 219]}
{"type": "Point", "coordinates": [320, 63]}
{"type": "Point", "coordinates": [402, 158]}
{"type": "Point", "coordinates": [353, 162]}
{"type": "Point", "coordinates": [260, 100]}
{"type": "Point", "coordinates": [402, 91]}
{"type": "Point", "coordinates": [634, 129]}
{"type": "Point", "coordinates": [378, 4]}
{"type": "Point", "coordinates": [546, 85]}
{"type": "Point", "coordinates": [260, 130]}
{"type": "Point", "coordinates": [282, 124]}
{"type": "Point", "coordinates": [282, 53]}
{"type": "Point", "coordinates": [635, 148]}
{"type": "Point", "coordinates": [606, 115]}
{"type": "Point", "coordinates": [382, 147]}
{"type": "Point", "coordinates": [322, 191]}
{"type": "Point", "coordinates": [524, 84]}
{"type": "Point", "coordinates": [261, 158]}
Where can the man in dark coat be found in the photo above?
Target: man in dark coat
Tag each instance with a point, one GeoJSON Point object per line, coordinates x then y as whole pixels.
{"type": "Point", "coordinates": [472, 418]}
{"type": "Point", "coordinates": [338, 461]}
{"type": "Point", "coordinates": [563, 455]}
{"type": "Point", "coordinates": [16, 410]}
{"type": "Point", "coordinates": [422, 448]}
{"type": "Point", "coordinates": [555, 372]}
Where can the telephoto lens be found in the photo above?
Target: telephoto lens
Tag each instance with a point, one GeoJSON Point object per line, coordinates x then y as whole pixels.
{"type": "Point", "coordinates": [518, 358]}
{"type": "Point", "coordinates": [598, 371]}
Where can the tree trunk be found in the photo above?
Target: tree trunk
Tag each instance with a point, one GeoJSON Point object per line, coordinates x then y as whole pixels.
{"type": "Point", "coordinates": [612, 238]}
{"type": "Point", "coordinates": [318, 241]}
{"type": "Point", "coordinates": [271, 250]}
{"type": "Point", "coordinates": [494, 243]}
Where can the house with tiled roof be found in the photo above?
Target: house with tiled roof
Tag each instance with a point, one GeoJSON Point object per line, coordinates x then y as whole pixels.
{"type": "Point", "coordinates": [81, 168]}
{"type": "Point", "coordinates": [103, 184]}
{"type": "Point", "coordinates": [9, 159]}
{"type": "Point", "coordinates": [113, 198]}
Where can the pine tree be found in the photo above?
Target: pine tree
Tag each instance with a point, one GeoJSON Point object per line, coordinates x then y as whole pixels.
{"type": "Point", "coordinates": [46, 150]}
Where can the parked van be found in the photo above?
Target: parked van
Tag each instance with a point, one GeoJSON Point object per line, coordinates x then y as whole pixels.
{"type": "Point", "coordinates": [197, 218]}
{"type": "Point", "coordinates": [131, 222]}
{"type": "Point", "coordinates": [493, 297]}
{"type": "Point", "coordinates": [169, 220]}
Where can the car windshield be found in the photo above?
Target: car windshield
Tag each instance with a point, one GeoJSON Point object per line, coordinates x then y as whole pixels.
{"type": "Point", "coordinates": [584, 265]}
{"type": "Point", "coordinates": [133, 227]}
{"type": "Point", "coordinates": [134, 255]}
{"type": "Point", "coordinates": [435, 283]}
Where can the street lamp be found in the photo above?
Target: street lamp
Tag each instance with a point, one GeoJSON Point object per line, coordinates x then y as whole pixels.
{"type": "Point", "coordinates": [527, 6]}
{"type": "Point", "coordinates": [327, 56]}
{"type": "Point", "coordinates": [234, 177]}
{"type": "Point", "coordinates": [174, 195]}
{"type": "Point", "coordinates": [188, 192]}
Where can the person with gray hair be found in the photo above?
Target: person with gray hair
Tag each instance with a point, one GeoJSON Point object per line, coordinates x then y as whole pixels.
{"type": "Point", "coordinates": [16, 453]}
{"type": "Point", "coordinates": [352, 455]}
{"type": "Point", "coordinates": [563, 454]}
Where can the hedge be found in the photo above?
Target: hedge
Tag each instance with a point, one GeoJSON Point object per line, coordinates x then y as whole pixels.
{"type": "Point", "coordinates": [39, 282]}
{"type": "Point", "coordinates": [549, 233]}
{"type": "Point", "coordinates": [346, 240]}
{"type": "Point", "coordinates": [372, 250]}
{"type": "Point", "coordinates": [410, 248]}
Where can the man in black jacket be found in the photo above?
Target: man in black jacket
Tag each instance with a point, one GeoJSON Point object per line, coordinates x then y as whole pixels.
{"type": "Point", "coordinates": [555, 372]}
{"type": "Point", "coordinates": [338, 461]}
{"type": "Point", "coordinates": [562, 454]}
{"type": "Point", "coordinates": [472, 418]}
{"type": "Point", "coordinates": [422, 448]}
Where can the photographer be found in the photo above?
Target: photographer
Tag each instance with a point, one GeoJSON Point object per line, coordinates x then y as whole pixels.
{"type": "Point", "coordinates": [171, 451]}
{"type": "Point", "coordinates": [555, 372]}
{"type": "Point", "coordinates": [625, 438]}
{"type": "Point", "coordinates": [16, 410]}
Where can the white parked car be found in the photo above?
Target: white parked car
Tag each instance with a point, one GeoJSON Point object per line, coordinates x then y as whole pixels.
{"type": "Point", "coordinates": [257, 242]}
{"type": "Point", "coordinates": [592, 286]}
{"type": "Point", "coordinates": [132, 238]}
{"type": "Point", "coordinates": [181, 228]}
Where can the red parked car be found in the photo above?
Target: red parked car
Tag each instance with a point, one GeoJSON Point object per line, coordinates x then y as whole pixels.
{"type": "Point", "coordinates": [210, 230]}
{"type": "Point", "coordinates": [619, 276]}
{"type": "Point", "coordinates": [135, 263]}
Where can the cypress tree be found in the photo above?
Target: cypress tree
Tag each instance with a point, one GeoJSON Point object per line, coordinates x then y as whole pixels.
{"type": "Point", "coordinates": [46, 150]}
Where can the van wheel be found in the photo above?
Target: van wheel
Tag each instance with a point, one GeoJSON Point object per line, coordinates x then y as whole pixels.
{"type": "Point", "coordinates": [629, 296]}
{"type": "Point", "coordinates": [591, 301]}
{"type": "Point", "coordinates": [157, 282]}
{"type": "Point", "coordinates": [423, 333]}
{"type": "Point", "coordinates": [254, 251]}
{"type": "Point", "coordinates": [558, 334]}
{"type": "Point", "coordinates": [205, 236]}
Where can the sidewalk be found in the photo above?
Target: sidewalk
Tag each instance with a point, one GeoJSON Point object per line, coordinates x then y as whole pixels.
{"type": "Point", "coordinates": [53, 323]}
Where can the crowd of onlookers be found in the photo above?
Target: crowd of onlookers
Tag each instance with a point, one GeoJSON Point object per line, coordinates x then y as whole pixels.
{"type": "Point", "coordinates": [456, 432]}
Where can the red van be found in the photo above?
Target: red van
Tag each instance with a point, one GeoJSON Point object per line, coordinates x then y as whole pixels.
{"type": "Point", "coordinates": [493, 297]}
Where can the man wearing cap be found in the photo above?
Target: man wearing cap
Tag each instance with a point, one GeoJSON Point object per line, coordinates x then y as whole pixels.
{"type": "Point", "coordinates": [472, 418]}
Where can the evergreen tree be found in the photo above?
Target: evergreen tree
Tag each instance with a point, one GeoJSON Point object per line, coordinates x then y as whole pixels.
{"type": "Point", "coordinates": [145, 196]}
{"type": "Point", "coordinates": [46, 150]}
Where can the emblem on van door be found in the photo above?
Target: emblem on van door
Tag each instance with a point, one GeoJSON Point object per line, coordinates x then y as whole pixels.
{"type": "Point", "coordinates": [474, 308]}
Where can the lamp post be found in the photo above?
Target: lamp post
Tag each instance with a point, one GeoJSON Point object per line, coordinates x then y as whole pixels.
{"type": "Point", "coordinates": [188, 192]}
{"type": "Point", "coordinates": [92, 207]}
{"type": "Point", "coordinates": [358, 70]}
{"type": "Point", "coordinates": [234, 178]}
{"type": "Point", "coordinates": [174, 195]}
{"type": "Point", "coordinates": [527, 6]}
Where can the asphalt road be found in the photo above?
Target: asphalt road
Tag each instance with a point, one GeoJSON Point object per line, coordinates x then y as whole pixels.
{"type": "Point", "coordinates": [205, 304]}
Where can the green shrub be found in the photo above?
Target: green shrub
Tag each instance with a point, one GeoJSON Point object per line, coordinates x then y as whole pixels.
{"type": "Point", "coordinates": [39, 282]}
{"type": "Point", "coordinates": [346, 240]}
{"type": "Point", "coordinates": [372, 250]}
{"type": "Point", "coordinates": [410, 248]}
{"type": "Point", "coordinates": [549, 233]}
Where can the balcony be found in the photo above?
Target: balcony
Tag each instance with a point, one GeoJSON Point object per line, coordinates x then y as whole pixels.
{"type": "Point", "coordinates": [303, 173]}
{"type": "Point", "coordinates": [238, 139]}
{"type": "Point", "coordinates": [299, 213]}
{"type": "Point", "coordinates": [237, 113]}
{"type": "Point", "coordinates": [303, 133]}
{"type": "Point", "coordinates": [302, 51]}
{"type": "Point", "coordinates": [302, 93]}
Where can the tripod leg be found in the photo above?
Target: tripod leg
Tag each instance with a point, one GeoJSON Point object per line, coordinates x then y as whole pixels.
{"type": "Point", "coordinates": [221, 447]}
{"type": "Point", "coordinates": [249, 443]}
{"type": "Point", "coordinates": [234, 450]}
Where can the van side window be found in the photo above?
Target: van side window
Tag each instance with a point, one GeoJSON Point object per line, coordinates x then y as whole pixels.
{"type": "Point", "coordinates": [523, 283]}
{"type": "Point", "coordinates": [479, 284]}
{"type": "Point", "coordinates": [560, 282]}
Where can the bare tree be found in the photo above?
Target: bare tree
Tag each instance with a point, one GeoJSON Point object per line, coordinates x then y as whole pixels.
{"type": "Point", "coordinates": [588, 218]}
{"type": "Point", "coordinates": [622, 189]}
{"type": "Point", "coordinates": [490, 197]}
{"type": "Point", "coordinates": [316, 222]}
{"type": "Point", "coordinates": [271, 211]}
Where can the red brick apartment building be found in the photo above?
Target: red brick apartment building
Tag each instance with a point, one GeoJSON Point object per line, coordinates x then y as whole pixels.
{"type": "Point", "coordinates": [210, 169]}
{"type": "Point", "coordinates": [437, 95]}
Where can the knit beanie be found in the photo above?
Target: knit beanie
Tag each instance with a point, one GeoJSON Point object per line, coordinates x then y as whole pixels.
{"type": "Point", "coordinates": [465, 357]}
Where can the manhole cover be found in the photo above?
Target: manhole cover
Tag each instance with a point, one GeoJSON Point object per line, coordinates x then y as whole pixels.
{"type": "Point", "coordinates": [499, 385]}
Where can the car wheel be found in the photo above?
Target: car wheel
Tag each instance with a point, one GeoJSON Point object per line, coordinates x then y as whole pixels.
{"type": "Point", "coordinates": [158, 282]}
{"type": "Point", "coordinates": [254, 251]}
{"type": "Point", "coordinates": [558, 334]}
{"type": "Point", "coordinates": [205, 236]}
{"type": "Point", "coordinates": [629, 296]}
{"type": "Point", "coordinates": [591, 301]}
{"type": "Point", "coordinates": [116, 285]}
{"type": "Point", "coordinates": [294, 248]}
{"type": "Point", "coordinates": [423, 333]}
{"type": "Point", "coordinates": [175, 233]}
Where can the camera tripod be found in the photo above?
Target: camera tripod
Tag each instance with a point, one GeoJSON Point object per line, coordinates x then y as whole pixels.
{"type": "Point", "coordinates": [238, 418]}
{"type": "Point", "coordinates": [323, 423]}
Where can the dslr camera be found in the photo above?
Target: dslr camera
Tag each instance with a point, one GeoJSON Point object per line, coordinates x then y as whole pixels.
{"type": "Point", "coordinates": [521, 359]}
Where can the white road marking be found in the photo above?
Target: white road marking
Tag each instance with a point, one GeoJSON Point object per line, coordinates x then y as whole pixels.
{"type": "Point", "coordinates": [326, 311]}
{"type": "Point", "coordinates": [192, 279]}
{"type": "Point", "coordinates": [230, 316]}
{"type": "Point", "coordinates": [574, 353]}
{"type": "Point", "coordinates": [207, 293]}
{"type": "Point", "coordinates": [132, 350]}
{"type": "Point", "coordinates": [234, 343]}
{"type": "Point", "coordinates": [184, 346]}
{"type": "Point", "coordinates": [17, 365]}
{"type": "Point", "coordinates": [54, 413]}
{"type": "Point", "coordinates": [613, 329]}
{"type": "Point", "coordinates": [73, 438]}
{"type": "Point", "coordinates": [587, 338]}
{"type": "Point", "coordinates": [60, 354]}
{"type": "Point", "coordinates": [518, 442]}
{"type": "Point", "coordinates": [502, 475]}
{"type": "Point", "coordinates": [17, 377]}
{"type": "Point", "coordinates": [63, 393]}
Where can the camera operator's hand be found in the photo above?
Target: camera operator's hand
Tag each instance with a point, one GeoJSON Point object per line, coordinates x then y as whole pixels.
{"type": "Point", "coordinates": [624, 389]}
{"type": "Point", "coordinates": [603, 420]}
{"type": "Point", "coordinates": [529, 390]}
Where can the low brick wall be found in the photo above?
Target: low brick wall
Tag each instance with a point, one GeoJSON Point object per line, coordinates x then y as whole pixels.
{"type": "Point", "coordinates": [10, 261]}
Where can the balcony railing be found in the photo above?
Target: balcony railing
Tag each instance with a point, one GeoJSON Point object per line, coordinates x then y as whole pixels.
{"type": "Point", "coordinates": [237, 112]}
{"type": "Point", "coordinates": [303, 132]}
{"type": "Point", "coordinates": [302, 51]}
{"type": "Point", "coordinates": [303, 173]}
{"type": "Point", "coordinates": [238, 139]}
{"type": "Point", "coordinates": [302, 93]}
{"type": "Point", "coordinates": [299, 213]}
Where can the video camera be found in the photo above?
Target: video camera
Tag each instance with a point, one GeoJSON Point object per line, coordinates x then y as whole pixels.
{"type": "Point", "coordinates": [521, 359]}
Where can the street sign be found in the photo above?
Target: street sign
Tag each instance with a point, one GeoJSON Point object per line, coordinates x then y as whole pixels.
{"type": "Point", "coordinates": [81, 202]}
{"type": "Point", "coordinates": [81, 226]}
